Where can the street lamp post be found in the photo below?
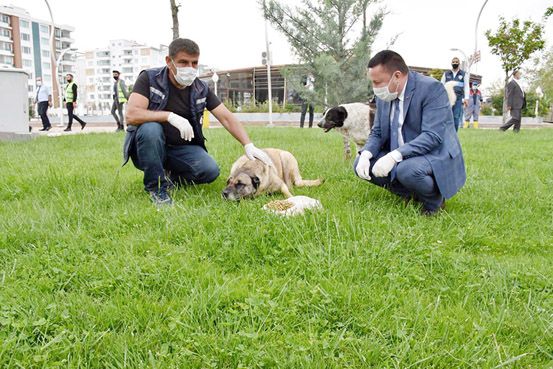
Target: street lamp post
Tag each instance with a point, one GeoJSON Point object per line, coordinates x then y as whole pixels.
{"type": "Point", "coordinates": [53, 53]}
{"type": "Point", "coordinates": [60, 97]}
{"type": "Point", "coordinates": [539, 94]}
{"type": "Point", "coordinates": [215, 79]}
{"type": "Point", "coordinates": [476, 27]}
{"type": "Point", "coordinates": [269, 82]}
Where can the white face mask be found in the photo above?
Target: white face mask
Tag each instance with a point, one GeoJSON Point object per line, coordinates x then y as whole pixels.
{"type": "Point", "coordinates": [185, 76]}
{"type": "Point", "coordinates": [383, 93]}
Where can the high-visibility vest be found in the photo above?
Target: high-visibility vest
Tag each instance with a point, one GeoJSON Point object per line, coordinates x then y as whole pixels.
{"type": "Point", "coordinates": [120, 95]}
{"type": "Point", "coordinates": [69, 92]}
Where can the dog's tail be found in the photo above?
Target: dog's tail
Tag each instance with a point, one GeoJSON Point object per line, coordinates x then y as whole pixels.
{"type": "Point", "coordinates": [450, 92]}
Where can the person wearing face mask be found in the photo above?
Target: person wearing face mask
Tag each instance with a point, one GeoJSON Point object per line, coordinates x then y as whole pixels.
{"type": "Point", "coordinates": [413, 149]}
{"type": "Point", "coordinates": [461, 90]}
{"type": "Point", "coordinates": [516, 101]}
{"type": "Point", "coordinates": [43, 100]}
{"type": "Point", "coordinates": [164, 129]}
{"type": "Point", "coordinates": [473, 106]}
{"type": "Point", "coordinates": [120, 97]}
{"type": "Point", "coordinates": [71, 102]}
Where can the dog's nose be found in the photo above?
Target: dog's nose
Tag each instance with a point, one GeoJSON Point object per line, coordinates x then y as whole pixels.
{"type": "Point", "coordinates": [320, 124]}
{"type": "Point", "coordinates": [225, 193]}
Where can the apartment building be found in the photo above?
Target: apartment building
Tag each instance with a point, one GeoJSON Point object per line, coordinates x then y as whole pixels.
{"type": "Point", "coordinates": [25, 43]}
{"type": "Point", "coordinates": [94, 70]}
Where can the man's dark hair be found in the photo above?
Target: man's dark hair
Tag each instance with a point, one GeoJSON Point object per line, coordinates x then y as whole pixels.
{"type": "Point", "coordinates": [390, 61]}
{"type": "Point", "coordinates": [183, 44]}
{"type": "Point", "coordinates": [69, 74]}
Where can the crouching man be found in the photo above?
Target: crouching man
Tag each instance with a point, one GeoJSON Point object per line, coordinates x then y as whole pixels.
{"type": "Point", "coordinates": [164, 135]}
{"type": "Point", "coordinates": [413, 149]}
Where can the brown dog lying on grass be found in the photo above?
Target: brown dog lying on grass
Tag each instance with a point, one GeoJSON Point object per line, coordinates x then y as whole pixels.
{"type": "Point", "coordinates": [250, 178]}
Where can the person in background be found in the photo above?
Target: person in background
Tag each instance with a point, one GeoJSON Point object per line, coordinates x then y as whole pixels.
{"type": "Point", "coordinates": [461, 90]}
{"type": "Point", "coordinates": [120, 97]}
{"type": "Point", "coordinates": [516, 101]}
{"type": "Point", "coordinates": [71, 102]}
{"type": "Point", "coordinates": [43, 100]}
{"type": "Point", "coordinates": [309, 84]}
{"type": "Point", "coordinates": [473, 106]}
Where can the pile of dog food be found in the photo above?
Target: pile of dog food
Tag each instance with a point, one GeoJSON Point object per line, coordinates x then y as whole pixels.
{"type": "Point", "coordinates": [295, 205]}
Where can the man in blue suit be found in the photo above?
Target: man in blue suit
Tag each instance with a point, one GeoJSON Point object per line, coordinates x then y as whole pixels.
{"type": "Point", "coordinates": [413, 149]}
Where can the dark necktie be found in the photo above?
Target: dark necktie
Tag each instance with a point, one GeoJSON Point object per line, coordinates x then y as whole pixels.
{"type": "Point", "coordinates": [394, 127]}
{"type": "Point", "coordinates": [37, 91]}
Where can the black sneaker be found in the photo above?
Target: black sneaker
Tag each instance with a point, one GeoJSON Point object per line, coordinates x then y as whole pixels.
{"type": "Point", "coordinates": [161, 198]}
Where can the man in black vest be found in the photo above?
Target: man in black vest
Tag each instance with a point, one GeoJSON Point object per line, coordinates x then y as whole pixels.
{"type": "Point", "coordinates": [516, 101]}
{"type": "Point", "coordinates": [164, 134]}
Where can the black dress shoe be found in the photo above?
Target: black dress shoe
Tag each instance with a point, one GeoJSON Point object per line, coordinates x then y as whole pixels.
{"type": "Point", "coordinates": [83, 125]}
{"type": "Point", "coordinates": [43, 129]}
{"type": "Point", "coordinates": [68, 129]}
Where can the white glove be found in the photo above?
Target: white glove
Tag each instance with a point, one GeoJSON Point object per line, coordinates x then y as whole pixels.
{"type": "Point", "coordinates": [384, 165]}
{"type": "Point", "coordinates": [364, 164]}
{"type": "Point", "coordinates": [182, 124]}
{"type": "Point", "coordinates": [253, 153]}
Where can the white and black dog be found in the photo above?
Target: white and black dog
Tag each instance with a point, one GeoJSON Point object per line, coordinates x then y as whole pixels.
{"type": "Point", "coordinates": [354, 121]}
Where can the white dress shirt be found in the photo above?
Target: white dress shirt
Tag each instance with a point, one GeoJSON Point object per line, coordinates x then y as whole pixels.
{"type": "Point", "coordinates": [42, 93]}
{"type": "Point", "coordinates": [401, 98]}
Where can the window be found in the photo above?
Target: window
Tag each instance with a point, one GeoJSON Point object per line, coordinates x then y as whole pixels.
{"type": "Point", "coordinates": [102, 54]}
{"type": "Point", "coordinates": [44, 29]}
{"type": "Point", "coordinates": [27, 63]}
{"type": "Point", "coordinates": [5, 32]}
{"type": "Point", "coordinates": [45, 53]}
{"type": "Point", "coordinates": [24, 23]}
{"type": "Point", "coordinates": [103, 62]}
{"type": "Point", "coordinates": [26, 49]}
{"type": "Point", "coordinates": [5, 59]}
{"type": "Point", "coordinates": [91, 97]}
{"type": "Point", "coordinates": [26, 37]}
{"type": "Point", "coordinates": [5, 18]}
{"type": "Point", "coordinates": [127, 70]}
{"type": "Point", "coordinates": [30, 88]}
{"type": "Point", "coordinates": [105, 70]}
{"type": "Point", "coordinates": [46, 65]}
{"type": "Point", "coordinates": [6, 46]}
{"type": "Point", "coordinates": [44, 41]}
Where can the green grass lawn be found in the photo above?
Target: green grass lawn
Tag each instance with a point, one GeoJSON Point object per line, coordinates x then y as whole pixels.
{"type": "Point", "coordinates": [93, 276]}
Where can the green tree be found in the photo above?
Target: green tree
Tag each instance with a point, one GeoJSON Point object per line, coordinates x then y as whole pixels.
{"type": "Point", "coordinates": [332, 39]}
{"type": "Point", "coordinates": [541, 75]}
{"type": "Point", "coordinates": [436, 73]}
{"type": "Point", "coordinates": [175, 18]}
{"type": "Point", "coordinates": [514, 42]}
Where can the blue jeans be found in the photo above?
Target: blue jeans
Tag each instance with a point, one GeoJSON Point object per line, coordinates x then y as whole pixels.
{"type": "Point", "coordinates": [457, 109]}
{"type": "Point", "coordinates": [185, 163]}
{"type": "Point", "coordinates": [414, 179]}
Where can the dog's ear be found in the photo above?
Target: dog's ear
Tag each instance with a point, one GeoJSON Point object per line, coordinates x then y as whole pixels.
{"type": "Point", "coordinates": [342, 113]}
{"type": "Point", "coordinates": [255, 181]}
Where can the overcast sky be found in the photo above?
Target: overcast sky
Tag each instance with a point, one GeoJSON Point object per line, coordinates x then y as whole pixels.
{"type": "Point", "coordinates": [231, 33]}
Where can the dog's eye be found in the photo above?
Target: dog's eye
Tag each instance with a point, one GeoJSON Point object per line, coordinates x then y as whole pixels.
{"type": "Point", "coordinates": [239, 185]}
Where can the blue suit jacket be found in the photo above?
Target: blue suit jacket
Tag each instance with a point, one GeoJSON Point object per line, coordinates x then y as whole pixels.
{"type": "Point", "coordinates": [427, 130]}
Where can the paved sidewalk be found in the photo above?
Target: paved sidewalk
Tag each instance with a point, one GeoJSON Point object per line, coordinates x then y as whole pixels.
{"type": "Point", "coordinates": [104, 125]}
